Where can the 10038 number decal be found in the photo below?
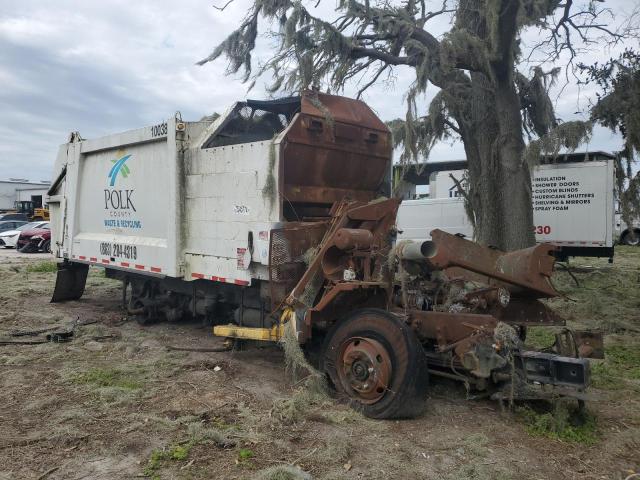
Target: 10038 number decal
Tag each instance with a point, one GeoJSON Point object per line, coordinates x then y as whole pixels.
{"type": "Point", "coordinates": [159, 130]}
{"type": "Point", "coordinates": [130, 252]}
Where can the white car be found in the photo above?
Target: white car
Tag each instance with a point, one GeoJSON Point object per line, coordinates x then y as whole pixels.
{"type": "Point", "coordinates": [9, 238]}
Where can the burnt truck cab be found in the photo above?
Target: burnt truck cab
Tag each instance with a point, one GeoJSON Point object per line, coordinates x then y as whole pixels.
{"type": "Point", "coordinates": [274, 219]}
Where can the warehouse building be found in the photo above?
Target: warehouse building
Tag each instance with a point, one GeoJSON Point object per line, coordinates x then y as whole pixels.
{"type": "Point", "coordinates": [15, 190]}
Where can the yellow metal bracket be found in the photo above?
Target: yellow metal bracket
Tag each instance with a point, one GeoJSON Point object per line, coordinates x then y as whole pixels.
{"type": "Point", "coordinates": [249, 333]}
{"type": "Point", "coordinates": [272, 334]}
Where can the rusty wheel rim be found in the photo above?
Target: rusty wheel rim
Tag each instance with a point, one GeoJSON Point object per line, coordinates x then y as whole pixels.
{"type": "Point", "coordinates": [365, 369]}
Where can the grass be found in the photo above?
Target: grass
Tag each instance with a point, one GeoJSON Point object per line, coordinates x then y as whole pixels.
{"type": "Point", "coordinates": [607, 296]}
{"type": "Point", "coordinates": [159, 457]}
{"type": "Point", "coordinates": [244, 458]}
{"type": "Point", "coordinates": [200, 433]}
{"type": "Point", "coordinates": [245, 454]}
{"type": "Point", "coordinates": [282, 472]}
{"type": "Point", "coordinates": [109, 377]}
{"type": "Point", "coordinates": [43, 267]}
{"type": "Point", "coordinates": [620, 368]}
{"type": "Point", "coordinates": [477, 462]}
{"type": "Point", "coordinates": [562, 423]}
{"type": "Point", "coordinates": [540, 337]}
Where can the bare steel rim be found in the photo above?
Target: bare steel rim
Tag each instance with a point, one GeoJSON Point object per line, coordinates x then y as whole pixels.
{"type": "Point", "coordinates": [364, 369]}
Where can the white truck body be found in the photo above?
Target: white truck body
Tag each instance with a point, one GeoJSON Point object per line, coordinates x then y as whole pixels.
{"type": "Point", "coordinates": [199, 200]}
{"type": "Point", "coordinates": [573, 205]}
{"type": "Point", "coordinates": [139, 201]}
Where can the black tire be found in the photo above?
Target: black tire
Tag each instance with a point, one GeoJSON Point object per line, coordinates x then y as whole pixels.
{"type": "Point", "coordinates": [28, 248]}
{"type": "Point", "coordinates": [408, 380]}
{"type": "Point", "coordinates": [144, 320]}
{"type": "Point", "coordinates": [46, 246]}
{"type": "Point", "coordinates": [631, 238]}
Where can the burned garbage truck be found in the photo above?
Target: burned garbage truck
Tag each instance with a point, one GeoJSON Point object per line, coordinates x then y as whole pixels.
{"type": "Point", "coordinates": [274, 219]}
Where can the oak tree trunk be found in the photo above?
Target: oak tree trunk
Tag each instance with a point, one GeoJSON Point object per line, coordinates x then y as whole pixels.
{"type": "Point", "coordinates": [499, 178]}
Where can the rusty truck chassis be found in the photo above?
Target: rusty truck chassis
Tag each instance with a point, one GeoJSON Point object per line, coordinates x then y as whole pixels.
{"type": "Point", "coordinates": [361, 268]}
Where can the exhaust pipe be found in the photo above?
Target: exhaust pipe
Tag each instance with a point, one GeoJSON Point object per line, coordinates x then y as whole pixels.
{"type": "Point", "coordinates": [416, 251]}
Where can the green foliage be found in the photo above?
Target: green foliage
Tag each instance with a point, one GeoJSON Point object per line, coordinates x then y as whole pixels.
{"type": "Point", "coordinates": [198, 434]}
{"type": "Point", "coordinates": [627, 186]}
{"type": "Point", "coordinates": [154, 463]}
{"type": "Point", "coordinates": [42, 267]}
{"type": "Point", "coordinates": [180, 452]}
{"type": "Point", "coordinates": [159, 457]}
{"type": "Point", "coordinates": [619, 108]}
{"type": "Point", "coordinates": [244, 459]}
{"type": "Point", "coordinates": [245, 454]}
{"type": "Point", "coordinates": [625, 358]}
{"type": "Point", "coordinates": [418, 135]}
{"type": "Point", "coordinates": [567, 135]}
{"type": "Point", "coordinates": [538, 113]}
{"type": "Point", "coordinates": [540, 337]}
{"type": "Point", "coordinates": [620, 368]}
{"type": "Point", "coordinates": [560, 424]}
{"type": "Point", "coordinates": [269, 190]}
{"type": "Point", "coordinates": [106, 377]}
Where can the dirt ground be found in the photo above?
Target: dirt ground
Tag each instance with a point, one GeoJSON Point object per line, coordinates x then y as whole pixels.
{"type": "Point", "coordinates": [115, 402]}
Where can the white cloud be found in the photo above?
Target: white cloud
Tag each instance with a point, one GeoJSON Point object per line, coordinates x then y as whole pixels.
{"type": "Point", "coordinates": [103, 67]}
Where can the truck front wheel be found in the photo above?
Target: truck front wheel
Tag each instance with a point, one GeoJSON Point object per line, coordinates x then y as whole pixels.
{"type": "Point", "coordinates": [377, 362]}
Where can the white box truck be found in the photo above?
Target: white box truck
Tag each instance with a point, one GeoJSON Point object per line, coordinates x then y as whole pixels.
{"type": "Point", "coordinates": [202, 200]}
{"type": "Point", "coordinates": [573, 207]}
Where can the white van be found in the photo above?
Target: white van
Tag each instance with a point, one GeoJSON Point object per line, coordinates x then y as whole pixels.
{"type": "Point", "coordinates": [416, 218]}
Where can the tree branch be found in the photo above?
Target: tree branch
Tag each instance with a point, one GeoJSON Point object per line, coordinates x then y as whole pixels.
{"type": "Point", "coordinates": [361, 52]}
{"type": "Point", "coordinates": [372, 81]}
{"type": "Point", "coordinates": [224, 6]}
{"type": "Point", "coordinates": [452, 126]}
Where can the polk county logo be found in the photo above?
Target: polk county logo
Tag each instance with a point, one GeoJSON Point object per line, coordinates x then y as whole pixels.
{"type": "Point", "coordinates": [115, 199]}
{"type": "Point", "coordinates": [119, 167]}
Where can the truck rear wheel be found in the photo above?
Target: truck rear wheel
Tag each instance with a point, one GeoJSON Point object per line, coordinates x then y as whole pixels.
{"type": "Point", "coordinates": [631, 238]}
{"type": "Point", "coordinates": [376, 361]}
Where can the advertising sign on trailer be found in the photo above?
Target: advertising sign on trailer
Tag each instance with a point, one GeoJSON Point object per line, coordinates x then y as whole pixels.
{"type": "Point", "coordinates": [573, 206]}
{"type": "Point", "coordinates": [573, 203]}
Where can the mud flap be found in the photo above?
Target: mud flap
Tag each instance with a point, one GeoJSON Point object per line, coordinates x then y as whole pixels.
{"type": "Point", "coordinates": [70, 281]}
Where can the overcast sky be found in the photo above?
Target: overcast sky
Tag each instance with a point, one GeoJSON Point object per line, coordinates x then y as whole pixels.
{"type": "Point", "coordinates": [105, 67]}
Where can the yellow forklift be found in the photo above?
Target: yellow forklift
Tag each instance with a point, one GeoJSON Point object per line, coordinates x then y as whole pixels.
{"type": "Point", "coordinates": [34, 213]}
